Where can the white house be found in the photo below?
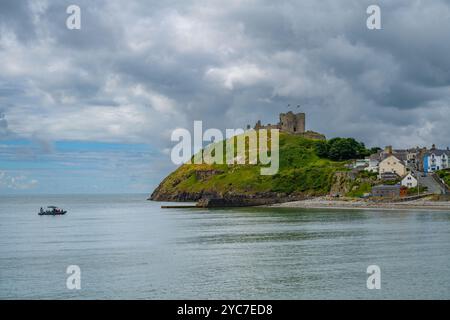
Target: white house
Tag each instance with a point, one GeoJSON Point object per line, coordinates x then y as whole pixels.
{"type": "Point", "coordinates": [409, 181]}
{"type": "Point", "coordinates": [361, 163]}
{"type": "Point", "coordinates": [435, 160]}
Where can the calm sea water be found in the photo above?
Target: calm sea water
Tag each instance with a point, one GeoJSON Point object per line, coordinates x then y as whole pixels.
{"type": "Point", "coordinates": [129, 248]}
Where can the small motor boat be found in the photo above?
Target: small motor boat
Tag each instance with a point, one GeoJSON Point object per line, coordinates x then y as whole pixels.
{"type": "Point", "coordinates": [52, 211]}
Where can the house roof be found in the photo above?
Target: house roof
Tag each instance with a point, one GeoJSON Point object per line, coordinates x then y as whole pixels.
{"type": "Point", "coordinates": [381, 155]}
{"type": "Point", "coordinates": [389, 173]}
{"type": "Point", "coordinates": [400, 155]}
{"type": "Point", "coordinates": [375, 156]}
{"type": "Point", "coordinates": [410, 174]}
{"type": "Point", "coordinates": [438, 152]}
{"type": "Point", "coordinates": [392, 155]}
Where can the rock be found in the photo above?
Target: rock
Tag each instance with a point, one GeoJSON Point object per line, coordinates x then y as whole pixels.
{"type": "Point", "coordinates": [240, 200]}
{"type": "Point", "coordinates": [206, 174]}
{"type": "Point", "coordinates": [341, 183]}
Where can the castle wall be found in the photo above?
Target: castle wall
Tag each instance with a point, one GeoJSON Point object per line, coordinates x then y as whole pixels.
{"type": "Point", "coordinates": [289, 122]}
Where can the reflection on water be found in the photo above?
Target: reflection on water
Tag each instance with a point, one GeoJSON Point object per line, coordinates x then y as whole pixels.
{"type": "Point", "coordinates": [127, 247]}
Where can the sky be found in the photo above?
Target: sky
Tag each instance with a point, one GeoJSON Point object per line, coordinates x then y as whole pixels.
{"type": "Point", "coordinates": [92, 110]}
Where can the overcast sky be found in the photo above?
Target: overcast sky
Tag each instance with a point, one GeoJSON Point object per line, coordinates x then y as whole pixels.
{"type": "Point", "coordinates": [102, 101]}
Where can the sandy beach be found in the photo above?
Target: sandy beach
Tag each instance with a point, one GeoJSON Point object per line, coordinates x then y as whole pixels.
{"type": "Point", "coordinates": [329, 203]}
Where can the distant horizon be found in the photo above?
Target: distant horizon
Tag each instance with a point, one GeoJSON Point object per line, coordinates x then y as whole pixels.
{"type": "Point", "coordinates": [74, 194]}
{"type": "Point", "coordinates": [56, 159]}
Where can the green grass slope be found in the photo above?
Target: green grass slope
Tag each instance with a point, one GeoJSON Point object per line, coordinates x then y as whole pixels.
{"type": "Point", "coordinates": [301, 171]}
{"type": "Point", "coordinates": [445, 175]}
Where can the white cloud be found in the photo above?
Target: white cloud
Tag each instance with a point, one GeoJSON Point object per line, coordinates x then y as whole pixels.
{"type": "Point", "coordinates": [19, 182]}
{"type": "Point", "coordinates": [232, 76]}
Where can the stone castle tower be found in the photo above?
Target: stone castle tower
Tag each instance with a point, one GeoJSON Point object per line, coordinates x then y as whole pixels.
{"type": "Point", "coordinates": [289, 122]}
{"type": "Point", "coordinates": [292, 123]}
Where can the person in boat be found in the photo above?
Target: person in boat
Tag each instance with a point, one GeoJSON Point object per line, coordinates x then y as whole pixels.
{"type": "Point", "coordinates": [42, 210]}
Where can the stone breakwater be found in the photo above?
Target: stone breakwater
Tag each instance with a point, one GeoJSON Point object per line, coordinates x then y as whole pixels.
{"type": "Point", "coordinates": [219, 200]}
{"type": "Point", "coordinates": [215, 200]}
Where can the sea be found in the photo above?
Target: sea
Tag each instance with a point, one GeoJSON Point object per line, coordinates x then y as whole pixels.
{"type": "Point", "coordinates": [125, 247]}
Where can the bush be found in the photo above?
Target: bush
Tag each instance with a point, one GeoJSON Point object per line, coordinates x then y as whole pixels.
{"type": "Point", "coordinates": [340, 149]}
{"type": "Point", "coordinates": [445, 175]}
{"type": "Point", "coordinates": [368, 174]}
{"type": "Point", "coordinates": [414, 191]}
{"type": "Point", "coordinates": [322, 149]}
{"type": "Point", "coordinates": [360, 190]}
{"type": "Point", "coordinates": [392, 182]}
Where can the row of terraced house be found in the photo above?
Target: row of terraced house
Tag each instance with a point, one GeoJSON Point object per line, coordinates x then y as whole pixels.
{"type": "Point", "coordinates": [400, 162]}
{"type": "Point", "coordinates": [403, 165]}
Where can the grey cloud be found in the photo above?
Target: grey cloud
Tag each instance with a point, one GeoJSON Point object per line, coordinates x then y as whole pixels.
{"type": "Point", "coordinates": [17, 16]}
{"type": "Point", "coordinates": [143, 68]}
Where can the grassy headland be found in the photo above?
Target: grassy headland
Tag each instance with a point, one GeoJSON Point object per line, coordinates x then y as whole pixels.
{"type": "Point", "coordinates": [304, 170]}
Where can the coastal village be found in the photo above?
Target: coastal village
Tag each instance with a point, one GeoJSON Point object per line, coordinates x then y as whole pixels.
{"type": "Point", "coordinates": [399, 171]}
{"type": "Point", "coordinates": [318, 172]}
{"type": "Point", "coordinates": [403, 169]}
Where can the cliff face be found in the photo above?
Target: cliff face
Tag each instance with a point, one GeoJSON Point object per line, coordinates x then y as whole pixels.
{"type": "Point", "coordinates": [301, 174]}
{"type": "Point", "coordinates": [341, 184]}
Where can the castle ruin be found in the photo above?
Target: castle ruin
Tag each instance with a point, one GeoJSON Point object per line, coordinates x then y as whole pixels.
{"type": "Point", "coordinates": [289, 122]}
{"type": "Point", "coordinates": [292, 123]}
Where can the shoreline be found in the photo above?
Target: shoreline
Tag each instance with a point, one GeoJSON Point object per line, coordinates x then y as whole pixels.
{"type": "Point", "coordinates": [326, 203]}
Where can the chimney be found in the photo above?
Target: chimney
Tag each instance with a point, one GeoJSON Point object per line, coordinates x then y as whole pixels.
{"type": "Point", "coordinates": [433, 147]}
{"type": "Point", "coordinates": [388, 149]}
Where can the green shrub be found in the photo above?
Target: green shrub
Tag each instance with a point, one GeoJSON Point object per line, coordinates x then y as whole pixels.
{"type": "Point", "coordinates": [340, 149]}
{"type": "Point", "coordinates": [415, 191]}
{"type": "Point", "coordinates": [445, 175]}
{"type": "Point", "coordinates": [361, 189]}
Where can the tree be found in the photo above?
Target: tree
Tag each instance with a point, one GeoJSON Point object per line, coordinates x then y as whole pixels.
{"type": "Point", "coordinates": [321, 148]}
{"type": "Point", "coordinates": [374, 150]}
{"type": "Point", "coordinates": [340, 149]}
{"type": "Point", "coordinates": [343, 149]}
